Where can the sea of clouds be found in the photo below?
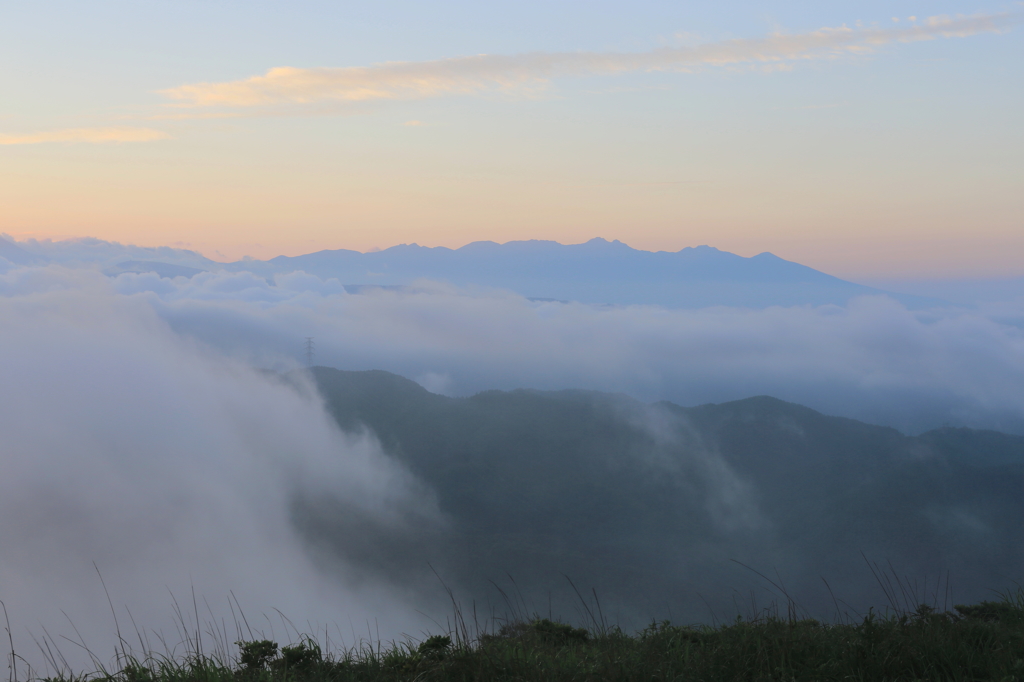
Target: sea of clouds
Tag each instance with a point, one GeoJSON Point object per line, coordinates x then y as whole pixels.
{"type": "Point", "coordinates": [873, 359]}
{"type": "Point", "coordinates": [145, 440]}
{"type": "Point", "coordinates": [137, 457]}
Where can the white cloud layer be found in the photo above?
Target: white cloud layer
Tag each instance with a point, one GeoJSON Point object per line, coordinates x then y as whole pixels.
{"type": "Point", "coordinates": [873, 360]}
{"type": "Point", "coordinates": [477, 73]}
{"type": "Point", "coordinates": [172, 467]}
{"type": "Point", "coordinates": [136, 434]}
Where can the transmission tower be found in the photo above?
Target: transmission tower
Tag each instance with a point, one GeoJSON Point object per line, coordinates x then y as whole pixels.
{"type": "Point", "coordinates": [310, 351]}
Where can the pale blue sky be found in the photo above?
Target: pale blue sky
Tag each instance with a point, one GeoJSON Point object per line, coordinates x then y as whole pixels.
{"type": "Point", "coordinates": [853, 162]}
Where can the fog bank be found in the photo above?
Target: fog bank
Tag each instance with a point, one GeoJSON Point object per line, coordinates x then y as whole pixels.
{"type": "Point", "coordinates": [172, 468]}
{"type": "Point", "coordinates": [873, 359]}
{"type": "Point", "coordinates": [138, 435]}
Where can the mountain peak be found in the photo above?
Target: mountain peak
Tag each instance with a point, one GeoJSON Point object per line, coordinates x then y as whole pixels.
{"type": "Point", "coordinates": [597, 271]}
{"type": "Point", "coordinates": [600, 241]}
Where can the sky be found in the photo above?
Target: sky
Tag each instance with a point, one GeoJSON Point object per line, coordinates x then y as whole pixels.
{"type": "Point", "coordinates": [868, 140]}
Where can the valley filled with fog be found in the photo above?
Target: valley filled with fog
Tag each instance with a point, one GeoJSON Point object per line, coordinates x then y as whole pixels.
{"type": "Point", "coordinates": [163, 432]}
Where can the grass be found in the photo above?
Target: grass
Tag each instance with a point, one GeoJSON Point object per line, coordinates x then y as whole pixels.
{"type": "Point", "coordinates": [972, 642]}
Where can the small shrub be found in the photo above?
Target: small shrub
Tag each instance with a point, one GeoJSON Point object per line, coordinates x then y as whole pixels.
{"type": "Point", "coordinates": [263, 655]}
{"type": "Point", "coordinates": [539, 631]}
{"type": "Point", "coordinates": [991, 612]}
{"type": "Point", "coordinates": [302, 657]}
{"type": "Point", "coordinates": [558, 634]}
{"type": "Point", "coordinates": [136, 672]}
{"type": "Point", "coordinates": [435, 647]}
{"type": "Point", "coordinates": [256, 655]}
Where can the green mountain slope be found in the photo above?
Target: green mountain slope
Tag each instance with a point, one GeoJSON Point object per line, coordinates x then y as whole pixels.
{"type": "Point", "coordinates": [653, 505]}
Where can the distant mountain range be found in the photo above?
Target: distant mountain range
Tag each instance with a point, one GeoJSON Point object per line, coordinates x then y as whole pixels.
{"type": "Point", "coordinates": [596, 272]}
{"type": "Point", "coordinates": [652, 504]}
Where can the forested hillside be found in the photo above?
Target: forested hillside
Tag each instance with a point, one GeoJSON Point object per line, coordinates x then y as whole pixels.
{"type": "Point", "coordinates": [655, 507]}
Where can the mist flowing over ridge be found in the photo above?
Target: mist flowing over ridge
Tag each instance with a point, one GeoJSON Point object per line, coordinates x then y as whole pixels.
{"type": "Point", "coordinates": [137, 430]}
{"type": "Point", "coordinates": [131, 451]}
{"type": "Point", "coordinates": [653, 504]}
{"type": "Point", "coordinates": [873, 358]}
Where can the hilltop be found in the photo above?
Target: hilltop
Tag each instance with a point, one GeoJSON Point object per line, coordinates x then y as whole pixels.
{"type": "Point", "coordinates": [652, 504]}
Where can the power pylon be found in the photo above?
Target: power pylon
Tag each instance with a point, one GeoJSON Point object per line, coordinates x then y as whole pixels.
{"type": "Point", "coordinates": [310, 351]}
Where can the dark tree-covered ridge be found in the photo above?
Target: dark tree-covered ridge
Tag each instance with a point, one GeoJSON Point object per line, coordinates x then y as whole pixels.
{"type": "Point", "coordinates": [659, 508]}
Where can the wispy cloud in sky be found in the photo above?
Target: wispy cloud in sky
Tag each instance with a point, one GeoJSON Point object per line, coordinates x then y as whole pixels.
{"type": "Point", "coordinates": [478, 73]}
{"type": "Point", "coordinates": [91, 135]}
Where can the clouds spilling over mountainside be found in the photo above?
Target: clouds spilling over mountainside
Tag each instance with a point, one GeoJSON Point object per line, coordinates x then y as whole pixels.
{"type": "Point", "coordinates": [134, 451]}
{"type": "Point", "coordinates": [873, 359]}
{"type": "Point", "coordinates": [652, 504]}
{"type": "Point", "coordinates": [137, 434]}
{"type": "Point", "coordinates": [596, 272]}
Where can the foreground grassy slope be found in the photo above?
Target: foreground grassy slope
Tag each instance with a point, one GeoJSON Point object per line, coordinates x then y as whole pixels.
{"type": "Point", "coordinates": [980, 642]}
